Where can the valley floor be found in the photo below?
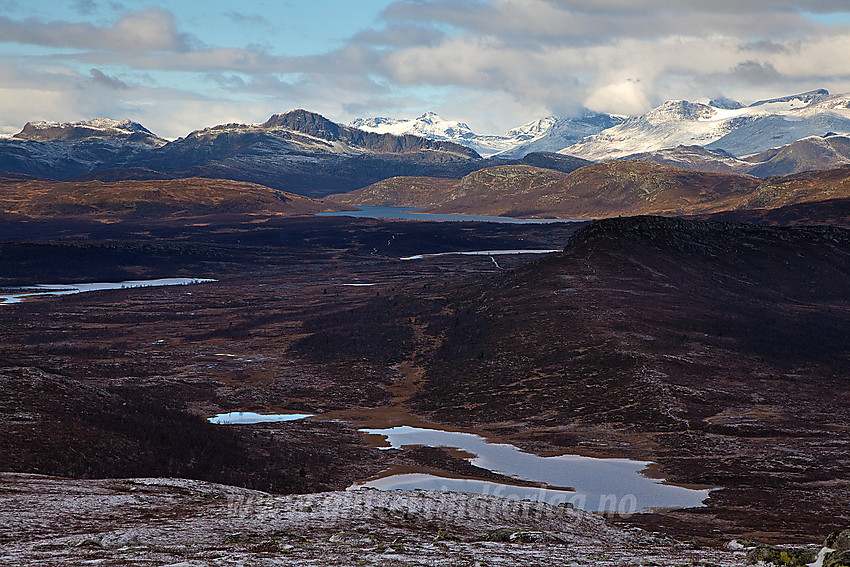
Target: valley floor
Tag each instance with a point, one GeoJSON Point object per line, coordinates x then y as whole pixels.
{"type": "Point", "coordinates": [117, 384]}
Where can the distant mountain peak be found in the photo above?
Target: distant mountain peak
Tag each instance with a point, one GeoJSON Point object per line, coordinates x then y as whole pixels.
{"type": "Point", "coordinates": [432, 117]}
{"type": "Point", "coordinates": [108, 128]}
{"type": "Point", "coordinates": [533, 128]}
{"type": "Point", "coordinates": [725, 103]}
{"type": "Point", "coordinates": [94, 123]}
{"type": "Point", "coordinates": [807, 97]}
{"type": "Point", "coordinates": [681, 110]}
{"type": "Point", "coordinates": [301, 119]}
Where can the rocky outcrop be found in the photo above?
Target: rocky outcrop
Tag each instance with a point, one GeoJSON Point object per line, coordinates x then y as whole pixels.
{"type": "Point", "coordinates": [837, 559]}
{"type": "Point", "coordinates": [839, 541]}
{"type": "Point", "coordinates": [780, 556]}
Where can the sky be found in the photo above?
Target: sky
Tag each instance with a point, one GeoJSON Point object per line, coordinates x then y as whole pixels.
{"type": "Point", "coordinates": [179, 65]}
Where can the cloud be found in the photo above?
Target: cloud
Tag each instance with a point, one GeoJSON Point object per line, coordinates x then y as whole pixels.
{"type": "Point", "coordinates": [248, 19]}
{"type": "Point", "coordinates": [399, 35]}
{"type": "Point", "coordinates": [144, 31]}
{"type": "Point", "coordinates": [56, 94]}
{"type": "Point", "coordinates": [149, 30]}
{"type": "Point", "coordinates": [628, 96]}
{"type": "Point", "coordinates": [111, 82]}
{"type": "Point", "coordinates": [756, 73]}
{"type": "Point", "coordinates": [577, 22]}
{"type": "Point", "coordinates": [86, 7]}
{"type": "Point", "coordinates": [613, 55]}
{"type": "Point", "coordinates": [492, 63]}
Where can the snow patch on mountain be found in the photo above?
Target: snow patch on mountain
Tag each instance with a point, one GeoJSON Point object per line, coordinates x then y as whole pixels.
{"type": "Point", "coordinates": [552, 134]}
{"type": "Point", "coordinates": [803, 99]}
{"type": "Point", "coordinates": [533, 129]}
{"type": "Point", "coordinates": [429, 125]}
{"type": "Point", "coordinates": [432, 126]}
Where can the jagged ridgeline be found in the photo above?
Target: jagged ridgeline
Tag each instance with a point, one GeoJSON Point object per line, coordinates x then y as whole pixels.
{"type": "Point", "coordinates": [298, 151]}
{"type": "Point", "coordinates": [304, 153]}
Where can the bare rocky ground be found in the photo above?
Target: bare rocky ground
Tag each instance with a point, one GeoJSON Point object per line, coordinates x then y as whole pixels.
{"type": "Point", "coordinates": [164, 521]}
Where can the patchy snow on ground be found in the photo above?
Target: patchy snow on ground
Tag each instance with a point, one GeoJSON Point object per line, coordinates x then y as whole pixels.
{"type": "Point", "coordinates": [49, 521]}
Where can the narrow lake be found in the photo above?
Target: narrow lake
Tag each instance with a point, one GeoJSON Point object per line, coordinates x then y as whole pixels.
{"type": "Point", "coordinates": [481, 253]}
{"type": "Point", "coordinates": [248, 417]}
{"type": "Point", "coordinates": [16, 295]}
{"type": "Point", "coordinates": [410, 213]}
{"type": "Point", "coordinates": [588, 483]}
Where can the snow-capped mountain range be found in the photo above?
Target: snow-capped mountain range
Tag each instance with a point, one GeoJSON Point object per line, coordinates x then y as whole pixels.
{"type": "Point", "coordinates": [432, 126]}
{"type": "Point", "coordinates": [302, 151]}
{"type": "Point", "coordinates": [720, 124]}
{"type": "Point", "coordinates": [548, 134]}
{"type": "Point", "coordinates": [731, 127]}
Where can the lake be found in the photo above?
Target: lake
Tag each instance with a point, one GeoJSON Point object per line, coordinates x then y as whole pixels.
{"type": "Point", "coordinates": [19, 294]}
{"type": "Point", "coordinates": [248, 417]}
{"type": "Point", "coordinates": [409, 213]}
{"type": "Point", "coordinates": [594, 484]}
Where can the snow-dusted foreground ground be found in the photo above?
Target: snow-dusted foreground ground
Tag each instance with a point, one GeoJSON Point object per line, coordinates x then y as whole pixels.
{"type": "Point", "coordinates": [49, 521]}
